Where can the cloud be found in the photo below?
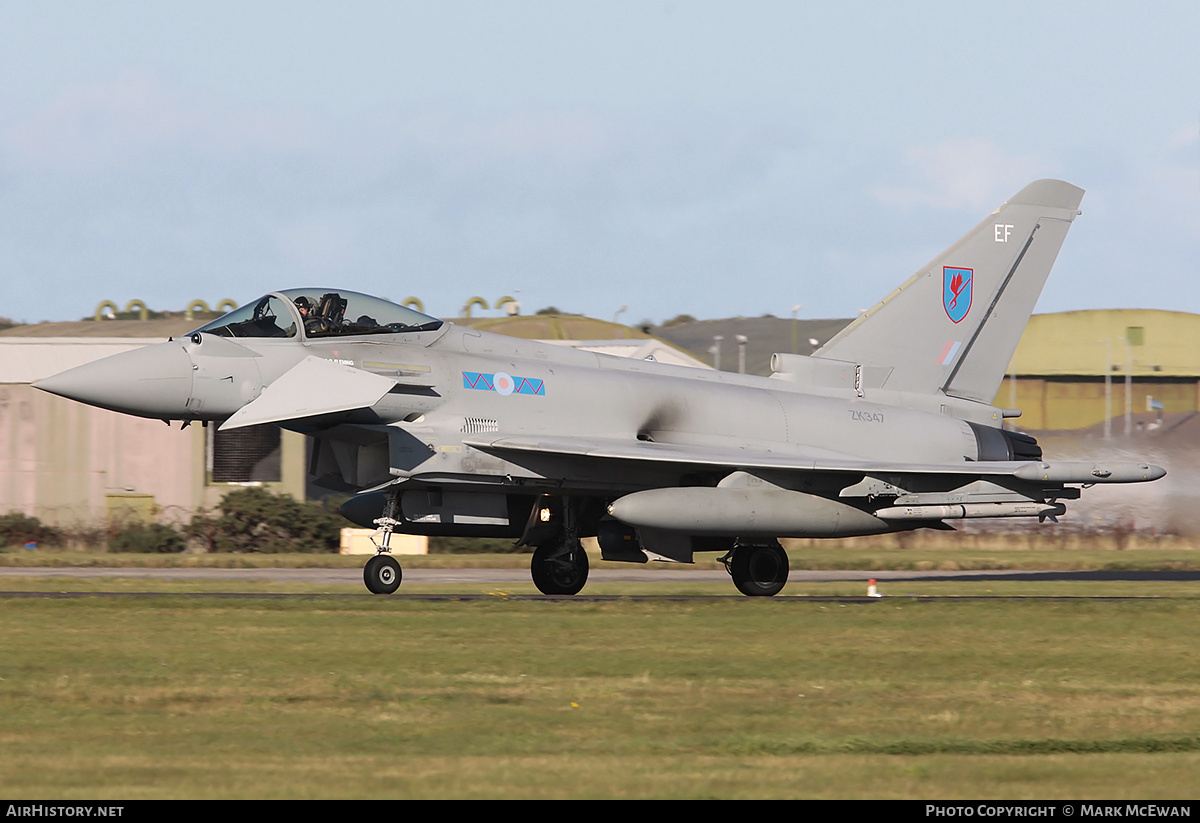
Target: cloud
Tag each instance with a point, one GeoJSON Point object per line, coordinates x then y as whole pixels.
{"type": "Point", "coordinates": [1185, 139]}
{"type": "Point", "coordinates": [966, 174]}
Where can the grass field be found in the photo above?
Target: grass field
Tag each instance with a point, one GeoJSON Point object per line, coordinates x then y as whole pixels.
{"type": "Point", "coordinates": [335, 694]}
{"type": "Point", "coordinates": [917, 552]}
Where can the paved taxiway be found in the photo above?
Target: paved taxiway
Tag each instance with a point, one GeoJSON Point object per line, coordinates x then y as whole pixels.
{"type": "Point", "coordinates": [633, 575]}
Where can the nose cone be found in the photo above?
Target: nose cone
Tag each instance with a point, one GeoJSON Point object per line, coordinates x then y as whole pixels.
{"type": "Point", "coordinates": [155, 381]}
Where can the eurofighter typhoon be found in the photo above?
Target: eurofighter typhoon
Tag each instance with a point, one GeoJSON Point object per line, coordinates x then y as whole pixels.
{"type": "Point", "coordinates": [445, 430]}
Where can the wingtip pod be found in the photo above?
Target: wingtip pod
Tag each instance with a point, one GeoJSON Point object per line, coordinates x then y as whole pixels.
{"type": "Point", "coordinates": [1090, 472]}
{"type": "Point", "coordinates": [1055, 194]}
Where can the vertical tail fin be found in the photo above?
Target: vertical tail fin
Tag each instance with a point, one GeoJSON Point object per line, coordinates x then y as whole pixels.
{"type": "Point", "coordinates": [953, 327]}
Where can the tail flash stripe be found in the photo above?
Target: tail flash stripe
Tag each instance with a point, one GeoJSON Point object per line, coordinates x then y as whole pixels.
{"type": "Point", "coordinates": [952, 347]}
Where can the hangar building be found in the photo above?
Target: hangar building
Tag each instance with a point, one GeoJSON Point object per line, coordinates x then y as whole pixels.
{"type": "Point", "coordinates": [71, 464]}
{"type": "Point", "coordinates": [1058, 375]}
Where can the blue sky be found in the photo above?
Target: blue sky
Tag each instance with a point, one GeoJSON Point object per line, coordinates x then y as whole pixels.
{"type": "Point", "coordinates": [716, 159]}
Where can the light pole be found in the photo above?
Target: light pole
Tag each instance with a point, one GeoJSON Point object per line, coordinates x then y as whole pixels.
{"type": "Point", "coordinates": [1107, 388]}
{"type": "Point", "coordinates": [1012, 396]}
{"type": "Point", "coordinates": [796, 329]}
{"type": "Point", "coordinates": [715, 351]}
{"type": "Point", "coordinates": [1128, 386]}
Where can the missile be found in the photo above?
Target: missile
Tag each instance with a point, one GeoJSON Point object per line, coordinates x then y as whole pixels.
{"type": "Point", "coordinates": [957, 511]}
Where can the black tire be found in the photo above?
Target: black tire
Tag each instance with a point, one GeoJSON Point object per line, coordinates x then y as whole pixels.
{"type": "Point", "coordinates": [759, 571]}
{"type": "Point", "coordinates": [382, 574]}
{"type": "Point", "coordinates": [559, 570]}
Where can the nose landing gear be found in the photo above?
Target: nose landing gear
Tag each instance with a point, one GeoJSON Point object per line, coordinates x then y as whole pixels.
{"type": "Point", "coordinates": [382, 574]}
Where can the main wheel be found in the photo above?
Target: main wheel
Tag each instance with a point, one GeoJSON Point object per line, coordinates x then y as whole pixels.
{"type": "Point", "coordinates": [759, 571]}
{"type": "Point", "coordinates": [382, 574]}
{"type": "Point", "coordinates": [559, 569]}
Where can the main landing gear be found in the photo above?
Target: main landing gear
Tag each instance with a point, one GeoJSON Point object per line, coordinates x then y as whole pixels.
{"type": "Point", "coordinates": [559, 566]}
{"type": "Point", "coordinates": [758, 570]}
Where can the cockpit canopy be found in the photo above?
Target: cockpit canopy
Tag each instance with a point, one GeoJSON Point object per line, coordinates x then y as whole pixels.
{"type": "Point", "coordinates": [320, 313]}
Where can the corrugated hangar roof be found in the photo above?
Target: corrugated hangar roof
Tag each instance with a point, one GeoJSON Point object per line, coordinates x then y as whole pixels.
{"type": "Point", "coordinates": [553, 327]}
{"type": "Point", "coordinates": [1084, 343]}
{"type": "Point", "coordinates": [161, 327]}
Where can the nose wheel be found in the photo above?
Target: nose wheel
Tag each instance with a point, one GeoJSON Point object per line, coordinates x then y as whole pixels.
{"type": "Point", "coordinates": [382, 574]}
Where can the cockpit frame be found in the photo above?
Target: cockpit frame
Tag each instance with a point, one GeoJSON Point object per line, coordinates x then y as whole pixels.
{"type": "Point", "coordinates": [314, 314]}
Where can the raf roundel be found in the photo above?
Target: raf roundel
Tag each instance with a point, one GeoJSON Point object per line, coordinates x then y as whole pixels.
{"type": "Point", "coordinates": [503, 383]}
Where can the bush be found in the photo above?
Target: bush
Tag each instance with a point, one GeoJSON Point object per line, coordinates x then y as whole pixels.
{"type": "Point", "coordinates": [254, 520]}
{"type": "Point", "coordinates": [476, 545]}
{"type": "Point", "coordinates": [154, 538]}
{"type": "Point", "coordinates": [17, 529]}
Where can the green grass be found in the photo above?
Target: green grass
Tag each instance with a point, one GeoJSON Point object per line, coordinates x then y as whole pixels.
{"type": "Point", "coordinates": [360, 696]}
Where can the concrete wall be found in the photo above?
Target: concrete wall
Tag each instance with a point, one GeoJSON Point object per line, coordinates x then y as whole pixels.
{"type": "Point", "coordinates": [59, 460]}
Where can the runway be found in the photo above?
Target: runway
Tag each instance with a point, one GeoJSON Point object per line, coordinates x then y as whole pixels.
{"type": "Point", "coordinates": [671, 574]}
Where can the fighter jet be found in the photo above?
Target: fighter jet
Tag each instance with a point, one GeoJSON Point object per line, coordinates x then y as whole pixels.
{"type": "Point", "coordinates": [445, 430]}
